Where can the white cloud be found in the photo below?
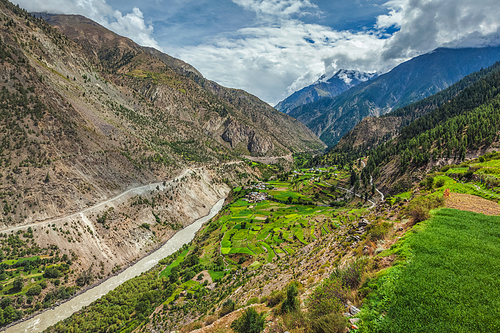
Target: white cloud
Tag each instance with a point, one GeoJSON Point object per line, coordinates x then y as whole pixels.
{"type": "Point", "coordinates": [131, 25]}
{"type": "Point", "coordinates": [274, 61]}
{"type": "Point", "coordinates": [282, 54]}
{"type": "Point", "coordinates": [278, 54]}
{"type": "Point", "coordinates": [275, 7]}
{"type": "Point", "coordinates": [428, 24]}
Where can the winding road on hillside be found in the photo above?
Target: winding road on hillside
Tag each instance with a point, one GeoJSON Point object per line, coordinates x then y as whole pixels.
{"type": "Point", "coordinates": [112, 201]}
{"type": "Point", "coordinates": [359, 196]}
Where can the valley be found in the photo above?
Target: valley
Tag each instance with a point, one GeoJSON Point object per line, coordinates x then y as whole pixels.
{"type": "Point", "coordinates": [139, 195]}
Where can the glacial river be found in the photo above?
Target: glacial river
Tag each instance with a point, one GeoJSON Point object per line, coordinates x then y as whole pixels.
{"type": "Point", "coordinates": [63, 311]}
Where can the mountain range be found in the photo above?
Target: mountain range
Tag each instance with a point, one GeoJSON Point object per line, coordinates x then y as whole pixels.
{"type": "Point", "coordinates": [411, 81]}
{"type": "Point", "coordinates": [325, 86]}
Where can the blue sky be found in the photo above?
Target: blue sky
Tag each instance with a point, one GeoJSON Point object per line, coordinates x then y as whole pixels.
{"type": "Point", "coordinates": [273, 47]}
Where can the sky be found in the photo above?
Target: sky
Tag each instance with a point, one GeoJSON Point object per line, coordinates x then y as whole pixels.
{"type": "Point", "coordinates": [272, 48]}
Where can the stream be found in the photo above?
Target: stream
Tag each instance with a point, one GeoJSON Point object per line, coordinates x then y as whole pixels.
{"type": "Point", "coordinates": [51, 317]}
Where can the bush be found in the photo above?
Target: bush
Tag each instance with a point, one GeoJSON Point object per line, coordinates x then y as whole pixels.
{"type": "Point", "coordinates": [419, 214]}
{"type": "Point", "coordinates": [191, 327]}
{"type": "Point", "coordinates": [18, 283]}
{"type": "Point", "coordinates": [253, 300]}
{"type": "Point", "coordinates": [210, 320]}
{"type": "Point", "coordinates": [378, 231]}
{"type": "Point", "coordinates": [331, 323]}
{"type": "Point", "coordinates": [227, 307]}
{"type": "Point", "coordinates": [445, 168]}
{"type": "Point", "coordinates": [419, 208]}
{"type": "Point", "coordinates": [290, 303]}
{"type": "Point", "coordinates": [440, 183]}
{"type": "Point", "coordinates": [34, 291]}
{"type": "Point", "coordinates": [296, 322]}
{"type": "Point", "coordinates": [327, 298]}
{"type": "Point", "coordinates": [250, 322]}
{"type": "Point", "coordinates": [51, 273]}
{"type": "Point", "coordinates": [276, 297]}
{"type": "Point", "coordinates": [350, 276]}
{"type": "Point", "coordinates": [429, 183]}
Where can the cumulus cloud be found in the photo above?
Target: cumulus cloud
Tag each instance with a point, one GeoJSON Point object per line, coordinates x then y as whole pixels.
{"type": "Point", "coordinates": [279, 56]}
{"type": "Point", "coordinates": [274, 61]}
{"type": "Point", "coordinates": [276, 7]}
{"type": "Point", "coordinates": [131, 25]}
{"type": "Point", "coordinates": [278, 53]}
{"type": "Point", "coordinates": [426, 25]}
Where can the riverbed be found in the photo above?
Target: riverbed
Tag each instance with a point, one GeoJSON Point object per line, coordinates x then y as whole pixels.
{"type": "Point", "coordinates": [51, 317]}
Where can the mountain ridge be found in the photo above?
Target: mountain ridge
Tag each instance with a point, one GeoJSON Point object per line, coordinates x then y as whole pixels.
{"type": "Point", "coordinates": [331, 118]}
{"type": "Point", "coordinates": [326, 86]}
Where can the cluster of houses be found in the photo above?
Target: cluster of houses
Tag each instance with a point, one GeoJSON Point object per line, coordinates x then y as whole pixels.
{"type": "Point", "coordinates": [256, 197]}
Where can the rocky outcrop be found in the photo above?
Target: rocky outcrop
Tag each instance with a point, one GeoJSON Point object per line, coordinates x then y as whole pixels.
{"type": "Point", "coordinates": [236, 133]}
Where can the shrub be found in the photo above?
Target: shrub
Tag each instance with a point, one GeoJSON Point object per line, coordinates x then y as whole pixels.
{"type": "Point", "coordinates": [250, 322]}
{"type": "Point", "coordinates": [419, 208]}
{"type": "Point", "coordinates": [51, 273]}
{"type": "Point", "coordinates": [378, 231]}
{"type": "Point", "coordinates": [350, 276]}
{"type": "Point", "coordinates": [227, 307]}
{"type": "Point", "coordinates": [296, 322]}
{"type": "Point", "coordinates": [330, 323]}
{"type": "Point", "coordinates": [18, 283]}
{"type": "Point", "coordinates": [253, 300]}
{"type": "Point", "coordinates": [440, 182]}
{"type": "Point", "coordinates": [445, 168]}
{"type": "Point", "coordinates": [290, 303]}
{"type": "Point", "coordinates": [327, 298]}
{"type": "Point", "coordinates": [191, 327]}
{"type": "Point", "coordinates": [276, 297]}
{"type": "Point", "coordinates": [210, 320]}
{"type": "Point", "coordinates": [419, 214]}
{"type": "Point", "coordinates": [429, 183]}
{"type": "Point", "coordinates": [34, 291]}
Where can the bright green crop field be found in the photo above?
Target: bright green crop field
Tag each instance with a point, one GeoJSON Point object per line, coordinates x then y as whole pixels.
{"type": "Point", "coordinates": [450, 281]}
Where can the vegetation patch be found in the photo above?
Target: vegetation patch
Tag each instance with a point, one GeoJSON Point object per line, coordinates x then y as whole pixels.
{"type": "Point", "coordinates": [448, 281]}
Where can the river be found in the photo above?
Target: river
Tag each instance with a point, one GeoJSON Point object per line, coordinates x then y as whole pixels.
{"type": "Point", "coordinates": [63, 311]}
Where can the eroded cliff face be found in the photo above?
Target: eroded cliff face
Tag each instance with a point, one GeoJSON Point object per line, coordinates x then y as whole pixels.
{"type": "Point", "coordinates": [122, 229]}
{"type": "Point", "coordinates": [236, 133]}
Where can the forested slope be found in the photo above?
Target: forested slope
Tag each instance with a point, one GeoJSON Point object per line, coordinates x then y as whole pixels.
{"type": "Point", "coordinates": [373, 131]}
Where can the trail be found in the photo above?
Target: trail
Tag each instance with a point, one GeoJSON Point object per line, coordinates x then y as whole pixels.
{"type": "Point", "coordinates": [112, 201]}
{"type": "Point", "coordinates": [136, 190]}
{"type": "Point", "coordinates": [376, 189]}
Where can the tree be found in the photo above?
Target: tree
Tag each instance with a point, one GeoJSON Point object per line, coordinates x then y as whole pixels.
{"type": "Point", "coordinates": [290, 303]}
{"type": "Point", "coordinates": [250, 322]}
{"type": "Point", "coordinates": [51, 273]}
{"type": "Point", "coordinates": [34, 291]}
{"type": "Point", "coordinates": [18, 283]}
{"type": "Point", "coordinates": [47, 177]}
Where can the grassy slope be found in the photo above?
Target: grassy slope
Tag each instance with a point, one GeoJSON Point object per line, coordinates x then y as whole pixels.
{"type": "Point", "coordinates": [450, 282]}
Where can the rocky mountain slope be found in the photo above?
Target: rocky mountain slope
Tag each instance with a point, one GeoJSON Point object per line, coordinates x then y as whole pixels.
{"type": "Point", "coordinates": [423, 76]}
{"type": "Point", "coordinates": [83, 121]}
{"type": "Point", "coordinates": [326, 86]}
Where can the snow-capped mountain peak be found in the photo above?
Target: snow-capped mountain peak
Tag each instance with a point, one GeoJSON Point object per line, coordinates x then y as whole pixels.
{"type": "Point", "coordinates": [348, 76]}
